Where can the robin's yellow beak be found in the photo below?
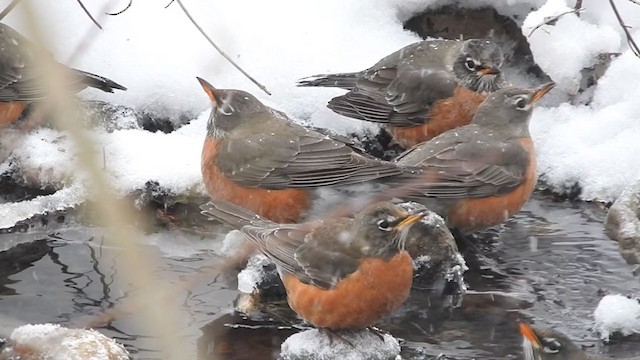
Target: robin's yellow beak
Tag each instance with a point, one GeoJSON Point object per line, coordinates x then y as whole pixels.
{"type": "Point", "coordinates": [488, 71]}
{"type": "Point", "coordinates": [409, 220]}
{"type": "Point", "coordinates": [209, 89]}
{"type": "Point", "coordinates": [542, 90]}
{"type": "Point", "coordinates": [527, 332]}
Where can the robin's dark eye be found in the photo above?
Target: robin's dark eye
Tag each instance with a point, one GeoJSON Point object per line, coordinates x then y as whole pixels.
{"type": "Point", "coordinates": [470, 64]}
{"type": "Point", "coordinates": [385, 225]}
{"type": "Point", "coordinates": [551, 345]}
{"type": "Point", "coordinates": [521, 103]}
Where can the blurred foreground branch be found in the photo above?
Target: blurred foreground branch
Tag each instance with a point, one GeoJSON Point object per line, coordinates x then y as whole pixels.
{"type": "Point", "coordinates": [9, 8]}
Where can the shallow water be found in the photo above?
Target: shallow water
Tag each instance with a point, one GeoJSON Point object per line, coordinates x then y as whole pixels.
{"type": "Point", "coordinates": [550, 264]}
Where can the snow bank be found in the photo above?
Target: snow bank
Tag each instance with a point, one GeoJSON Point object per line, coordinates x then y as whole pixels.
{"type": "Point", "coordinates": [617, 314]}
{"type": "Point", "coordinates": [157, 54]}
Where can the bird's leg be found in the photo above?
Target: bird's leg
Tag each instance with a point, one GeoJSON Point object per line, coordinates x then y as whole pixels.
{"type": "Point", "coordinates": [331, 334]}
{"type": "Point", "coordinates": [378, 332]}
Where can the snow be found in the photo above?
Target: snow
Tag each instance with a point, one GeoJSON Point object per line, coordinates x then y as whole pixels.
{"type": "Point", "coordinates": [54, 342]}
{"type": "Point", "coordinates": [249, 278]}
{"type": "Point", "coordinates": [157, 54]}
{"type": "Point", "coordinates": [557, 50]}
{"type": "Point", "coordinates": [317, 345]}
{"type": "Point", "coordinates": [617, 314]}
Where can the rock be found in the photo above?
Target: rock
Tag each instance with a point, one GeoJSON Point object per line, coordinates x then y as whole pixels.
{"type": "Point", "coordinates": [622, 223]}
{"type": "Point", "coordinates": [353, 345]}
{"type": "Point", "coordinates": [54, 342]}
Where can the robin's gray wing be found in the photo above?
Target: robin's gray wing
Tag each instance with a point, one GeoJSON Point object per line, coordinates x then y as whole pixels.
{"type": "Point", "coordinates": [462, 167]}
{"type": "Point", "coordinates": [295, 250]}
{"type": "Point", "coordinates": [395, 97]}
{"type": "Point", "coordinates": [289, 156]}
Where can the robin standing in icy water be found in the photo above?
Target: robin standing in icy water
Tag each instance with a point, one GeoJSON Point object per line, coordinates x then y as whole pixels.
{"type": "Point", "coordinates": [256, 157]}
{"type": "Point", "coordinates": [547, 344]}
{"type": "Point", "coordinates": [421, 90]}
{"type": "Point", "coordinates": [339, 273]}
{"type": "Point", "coordinates": [21, 77]}
{"type": "Point", "coordinates": [478, 175]}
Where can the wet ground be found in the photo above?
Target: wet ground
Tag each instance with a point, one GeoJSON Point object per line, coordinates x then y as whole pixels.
{"type": "Point", "coordinates": [550, 265]}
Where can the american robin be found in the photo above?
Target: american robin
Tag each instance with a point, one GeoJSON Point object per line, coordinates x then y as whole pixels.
{"type": "Point", "coordinates": [256, 157]}
{"type": "Point", "coordinates": [339, 273]}
{"type": "Point", "coordinates": [21, 78]}
{"type": "Point", "coordinates": [421, 90]}
{"type": "Point", "coordinates": [547, 344]}
{"type": "Point", "coordinates": [480, 174]}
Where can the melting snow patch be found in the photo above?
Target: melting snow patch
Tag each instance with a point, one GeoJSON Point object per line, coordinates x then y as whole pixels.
{"type": "Point", "coordinates": [617, 314]}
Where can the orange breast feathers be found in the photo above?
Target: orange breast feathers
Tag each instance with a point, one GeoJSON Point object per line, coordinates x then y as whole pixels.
{"type": "Point", "coordinates": [444, 115]}
{"type": "Point", "coordinates": [480, 213]}
{"type": "Point", "coordinates": [359, 300]}
{"type": "Point", "coordinates": [282, 206]}
{"type": "Point", "coordinates": [11, 111]}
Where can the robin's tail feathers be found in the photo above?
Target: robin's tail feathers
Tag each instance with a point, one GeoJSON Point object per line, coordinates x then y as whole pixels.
{"type": "Point", "coordinates": [99, 82]}
{"type": "Point", "coordinates": [344, 80]}
{"type": "Point", "coordinates": [230, 214]}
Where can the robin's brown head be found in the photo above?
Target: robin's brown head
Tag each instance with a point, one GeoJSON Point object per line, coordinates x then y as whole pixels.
{"type": "Point", "coordinates": [231, 108]}
{"type": "Point", "coordinates": [381, 229]}
{"type": "Point", "coordinates": [509, 109]}
{"type": "Point", "coordinates": [478, 65]}
{"type": "Point", "coordinates": [547, 344]}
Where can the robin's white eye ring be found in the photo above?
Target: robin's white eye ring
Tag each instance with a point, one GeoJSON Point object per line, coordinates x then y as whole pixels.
{"type": "Point", "coordinates": [384, 225]}
{"type": "Point", "coordinates": [521, 103]}
{"type": "Point", "coordinates": [470, 64]}
{"type": "Point", "coordinates": [552, 346]}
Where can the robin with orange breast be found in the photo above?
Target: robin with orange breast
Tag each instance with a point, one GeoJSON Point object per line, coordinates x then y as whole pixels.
{"type": "Point", "coordinates": [21, 79]}
{"type": "Point", "coordinates": [421, 90]}
{"type": "Point", "coordinates": [548, 344]}
{"type": "Point", "coordinates": [339, 273]}
{"type": "Point", "coordinates": [256, 157]}
{"type": "Point", "coordinates": [478, 175]}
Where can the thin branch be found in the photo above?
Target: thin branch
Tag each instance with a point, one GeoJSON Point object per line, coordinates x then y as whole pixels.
{"type": "Point", "coordinates": [121, 11]}
{"type": "Point", "coordinates": [551, 20]}
{"type": "Point", "coordinates": [169, 4]}
{"type": "Point", "coordinates": [637, 2]}
{"type": "Point", "coordinates": [632, 44]}
{"type": "Point", "coordinates": [9, 8]}
{"type": "Point", "coordinates": [578, 6]}
{"type": "Point", "coordinates": [89, 14]}
{"type": "Point", "coordinates": [262, 87]}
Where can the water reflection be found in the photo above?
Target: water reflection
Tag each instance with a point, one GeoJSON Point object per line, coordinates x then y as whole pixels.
{"type": "Point", "coordinates": [549, 265]}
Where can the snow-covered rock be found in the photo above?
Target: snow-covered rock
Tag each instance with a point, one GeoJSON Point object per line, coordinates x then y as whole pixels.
{"type": "Point", "coordinates": [623, 225]}
{"type": "Point", "coordinates": [54, 342]}
{"type": "Point", "coordinates": [617, 314]}
{"type": "Point", "coordinates": [353, 345]}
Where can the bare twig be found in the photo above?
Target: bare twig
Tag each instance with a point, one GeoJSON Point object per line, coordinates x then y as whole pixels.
{"type": "Point", "coordinates": [262, 87]}
{"type": "Point", "coordinates": [632, 44]}
{"type": "Point", "coordinates": [121, 11]}
{"type": "Point", "coordinates": [89, 14]}
{"type": "Point", "coordinates": [551, 20]}
{"type": "Point", "coordinates": [9, 8]}
{"type": "Point", "coordinates": [578, 6]}
{"type": "Point", "coordinates": [169, 4]}
{"type": "Point", "coordinates": [637, 2]}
